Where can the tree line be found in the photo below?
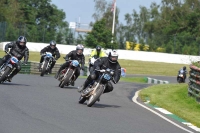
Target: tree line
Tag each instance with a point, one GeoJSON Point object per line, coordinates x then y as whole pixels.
{"type": "Point", "coordinates": [38, 20]}
{"type": "Point", "coordinates": [171, 26]}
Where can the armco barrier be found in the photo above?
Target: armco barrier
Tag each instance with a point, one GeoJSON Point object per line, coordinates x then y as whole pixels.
{"type": "Point", "coordinates": [194, 84]}
{"type": "Point", "coordinates": [156, 81]}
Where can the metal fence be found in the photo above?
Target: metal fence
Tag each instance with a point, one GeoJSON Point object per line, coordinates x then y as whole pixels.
{"type": "Point", "coordinates": [194, 84]}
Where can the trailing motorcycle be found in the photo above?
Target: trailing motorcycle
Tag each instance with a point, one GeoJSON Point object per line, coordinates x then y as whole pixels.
{"type": "Point", "coordinates": [180, 77]}
{"type": "Point", "coordinates": [91, 63]}
{"type": "Point", "coordinates": [94, 90]}
{"type": "Point", "coordinates": [46, 64]}
{"type": "Point", "coordinates": [8, 67]}
{"type": "Point", "coordinates": [67, 75]}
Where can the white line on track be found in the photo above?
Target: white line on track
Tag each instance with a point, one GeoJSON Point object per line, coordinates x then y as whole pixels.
{"type": "Point", "coordinates": [134, 99]}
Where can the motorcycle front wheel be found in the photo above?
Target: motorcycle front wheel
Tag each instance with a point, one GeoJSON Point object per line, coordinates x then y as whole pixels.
{"type": "Point", "coordinates": [67, 78]}
{"type": "Point", "coordinates": [44, 68]}
{"type": "Point", "coordinates": [93, 98]}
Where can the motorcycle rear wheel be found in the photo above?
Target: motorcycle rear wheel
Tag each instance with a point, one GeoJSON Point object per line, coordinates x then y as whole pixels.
{"type": "Point", "coordinates": [82, 100]}
{"type": "Point", "coordinates": [5, 74]}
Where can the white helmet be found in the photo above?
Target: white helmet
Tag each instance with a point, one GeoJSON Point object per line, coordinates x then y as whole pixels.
{"type": "Point", "coordinates": [113, 56]}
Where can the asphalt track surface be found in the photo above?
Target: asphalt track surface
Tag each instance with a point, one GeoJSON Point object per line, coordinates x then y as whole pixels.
{"type": "Point", "coordinates": [34, 104]}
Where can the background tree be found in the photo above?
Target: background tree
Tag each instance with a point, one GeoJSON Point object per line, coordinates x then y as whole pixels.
{"type": "Point", "coordinates": [100, 35]}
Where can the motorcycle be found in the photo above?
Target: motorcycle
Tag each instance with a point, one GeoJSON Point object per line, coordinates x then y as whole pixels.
{"type": "Point", "coordinates": [8, 67]}
{"type": "Point", "coordinates": [46, 64]}
{"type": "Point", "coordinates": [94, 90]}
{"type": "Point", "coordinates": [91, 63]}
{"type": "Point", "coordinates": [180, 77]}
{"type": "Point", "coordinates": [67, 75]}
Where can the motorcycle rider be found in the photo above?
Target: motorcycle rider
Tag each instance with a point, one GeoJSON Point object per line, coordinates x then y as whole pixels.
{"type": "Point", "coordinates": [104, 63]}
{"type": "Point", "coordinates": [19, 50]}
{"type": "Point", "coordinates": [74, 55]}
{"type": "Point", "coordinates": [97, 53]}
{"type": "Point", "coordinates": [184, 72]}
{"type": "Point", "coordinates": [53, 50]}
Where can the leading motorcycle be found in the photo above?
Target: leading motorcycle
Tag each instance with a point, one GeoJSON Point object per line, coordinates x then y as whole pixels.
{"type": "Point", "coordinates": [8, 67]}
{"type": "Point", "coordinates": [67, 75]}
{"type": "Point", "coordinates": [94, 90]}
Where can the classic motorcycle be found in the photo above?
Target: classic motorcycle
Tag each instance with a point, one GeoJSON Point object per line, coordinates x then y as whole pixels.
{"type": "Point", "coordinates": [46, 64]}
{"type": "Point", "coordinates": [180, 77]}
{"type": "Point", "coordinates": [94, 90]}
{"type": "Point", "coordinates": [67, 75]}
{"type": "Point", "coordinates": [8, 67]}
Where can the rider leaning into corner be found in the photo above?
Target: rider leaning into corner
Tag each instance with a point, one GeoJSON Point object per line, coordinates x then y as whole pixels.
{"type": "Point", "coordinates": [19, 50]}
{"type": "Point", "coordinates": [53, 50]}
{"type": "Point", "coordinates": [104, 63]}
{"type": "Point", "coordinates": [74, 55]}
{"type": "Point", "coordinates": [97, 53]}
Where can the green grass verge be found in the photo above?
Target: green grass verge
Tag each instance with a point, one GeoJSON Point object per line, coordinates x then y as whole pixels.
{"type": "Point", "coordinates": [134, 79]}
{"type": "Point", "coordinates": [132, 67]}
{"type": "Point", "coordinates": [151, 68]}
{"type": "Point", "coordinates": [174, 98]}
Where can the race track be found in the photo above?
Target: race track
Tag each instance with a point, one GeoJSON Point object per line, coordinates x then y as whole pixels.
{"type": "Point", "coordinates": [34, 104]}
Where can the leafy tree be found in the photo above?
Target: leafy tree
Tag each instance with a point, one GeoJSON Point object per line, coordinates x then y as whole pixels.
{"type": "Point", "coordinates": [100, 35]}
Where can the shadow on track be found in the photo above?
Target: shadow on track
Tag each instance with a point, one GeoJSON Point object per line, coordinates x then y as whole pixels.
{"type": "Point", "coordinates": [97, 105]}
{"type": "Point", "coordinates": [68, 87]}
{"type": "Point", "coordinates": [14, 84]}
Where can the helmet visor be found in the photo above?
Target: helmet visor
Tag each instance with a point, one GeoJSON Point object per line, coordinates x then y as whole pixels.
{"type": "Point", "coordinates": [80, 51]}
{"type": "Point", "coordinates": [21, 43]}
{"type": "Point", "coordinates": [52, 46]}
{"type": "Point", "coordinates": [114, 58]}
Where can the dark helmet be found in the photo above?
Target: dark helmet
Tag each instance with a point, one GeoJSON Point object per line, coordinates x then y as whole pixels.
{"type": "Point", "coordinates": [52, 44]}
{"type": "Point", "coordinates": [79, 49]}
{"type": "Point", "coordinates": [21, 41]}
{"type": "Point", "coordinates": [184, 68]}
{"type": "Point", "coordinates": [113, 56]}
{"type": "Point", "coordinates": [98, 48]}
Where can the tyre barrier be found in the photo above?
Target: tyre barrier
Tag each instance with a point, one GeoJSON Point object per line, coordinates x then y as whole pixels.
{"type": "Point", "coordinates": [194, 82]}
{"type": "Point", "coordinates": [32, 68]}
{"type": "Point", "coordinates": [156, 81]}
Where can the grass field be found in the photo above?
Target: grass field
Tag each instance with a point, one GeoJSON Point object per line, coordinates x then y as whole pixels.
{"type": "Point", "coordinates": [174, 98]}
{"type": "Point", "coordinates": [132, 67]}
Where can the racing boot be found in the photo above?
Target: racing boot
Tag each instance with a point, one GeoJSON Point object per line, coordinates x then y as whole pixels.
{"type": "Point", "coordinates": [86, 83]}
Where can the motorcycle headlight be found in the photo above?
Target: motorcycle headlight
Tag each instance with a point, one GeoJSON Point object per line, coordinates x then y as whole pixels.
{"type": "Point", "coordinates": [107, 77]}
{"type": "Point", "coordinates": [181, 75]}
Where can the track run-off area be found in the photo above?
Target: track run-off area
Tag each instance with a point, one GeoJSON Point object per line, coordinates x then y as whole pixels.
{"type": "Point", "coordinates": [34, 104]}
